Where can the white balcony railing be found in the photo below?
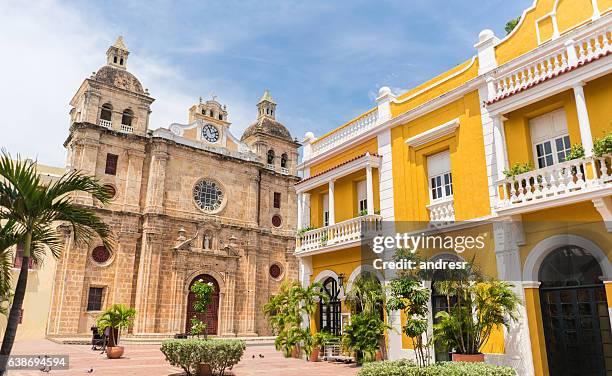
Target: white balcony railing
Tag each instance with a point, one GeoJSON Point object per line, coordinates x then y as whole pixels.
{"type": "Point", "coordinates": [565, 57]}
{"type": "Point", "coordinates": [270, 166]}
{"type": "Point", "coordinates": [106, 123]}
{"type": "Point", "coordinates": [353, 129]}
{"type": "Point", "coordinates": [345, 232]}
{"type": "Point", "coordinates": [442, 212]}
{"type": "Point", "coordinates": [284, 171]}
{"type": "Point", "coordinates": [557, 181]}
{"type": "Point", "coordinates": [127, 128]}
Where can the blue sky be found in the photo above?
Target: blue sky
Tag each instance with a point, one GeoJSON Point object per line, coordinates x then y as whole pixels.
{"type": "Point", "coordinates": [322, 60]}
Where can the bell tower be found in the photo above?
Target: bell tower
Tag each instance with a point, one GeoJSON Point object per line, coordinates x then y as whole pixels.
{"type": "Point", "coordinates": [117, 54]}
{"type": "Point", "coordinates": [266, 106]}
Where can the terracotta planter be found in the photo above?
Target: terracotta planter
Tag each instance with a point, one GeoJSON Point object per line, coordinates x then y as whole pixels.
{"type": "Point", "coordinates": [378, 356]}
{"type": "Point", "coordinates": [295, 353]}
{"type": "Point", "coordinates": [314, 355]}
{"type": "Point", "coordinates": [204, 370]}
{"type": "Point", "coordinates": [114, 352]}
{"type": "Point", "coordinates": [472, 358]}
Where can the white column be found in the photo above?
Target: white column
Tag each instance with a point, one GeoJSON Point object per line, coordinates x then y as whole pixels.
{"type": "Point", "coordinates": [330, 207]}
{"type": "Point", "coordinates": [583, 120]}
{"type": "Point", "coordinates": [596, 13]}
{"type": "Point", "coordinates": [369, 190]}
{"type": "Point", "coordinates": [300, 210]}
{"type": "Point", "coordinates": [500, 145]}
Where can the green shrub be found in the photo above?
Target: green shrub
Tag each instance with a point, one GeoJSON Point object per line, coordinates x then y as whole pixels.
{"type": "Point", "coordinates": [603, 145]}
{"type": "Point", "coordinates": [408, 368]}
{"type": "Point", "coordinates": [517, 169]}
{"type": "Point", "coordinates": [220, 354]}
{"type": "Point", "coordinates": [576, 152]}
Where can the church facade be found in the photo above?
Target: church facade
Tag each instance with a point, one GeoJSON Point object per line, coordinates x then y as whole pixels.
{"type": "Point", "coordinates": [190, 201]}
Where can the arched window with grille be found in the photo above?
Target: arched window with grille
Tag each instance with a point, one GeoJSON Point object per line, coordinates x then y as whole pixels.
{"type": "Point", "coordinates": [270, 157]}
{"type": "Point", "coordinates": [284, 160]}
{"type": "Point", "coordinates": [329, 313]}
{"type": "Point", "coordinates": [106, 115]}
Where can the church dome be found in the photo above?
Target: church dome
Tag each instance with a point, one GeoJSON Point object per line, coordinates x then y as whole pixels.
{"type": "Point", "coordinates": [119, 78]}
{"type": "Point", "coordinates": [268, 126]}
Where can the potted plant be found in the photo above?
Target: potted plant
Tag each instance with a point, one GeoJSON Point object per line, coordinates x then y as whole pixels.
{"type": "Point", "coordinates": [116, 319]}
{"type": "Point", "coordinates": [364, 335]}
{"type": "Point", "coordinates": [481, 307]}
{"type": "Point", "coordinates": [315, 344]}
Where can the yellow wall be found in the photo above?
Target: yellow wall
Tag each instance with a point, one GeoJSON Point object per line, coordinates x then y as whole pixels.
{"type": "Point", "coordinates": [467, 162]}
{"type": "Point", "coordinates": [598, 96]}
{"type": "Point", "coordinates": [37, 302]}
{"type": "Point", "coordinates": [570, 14]}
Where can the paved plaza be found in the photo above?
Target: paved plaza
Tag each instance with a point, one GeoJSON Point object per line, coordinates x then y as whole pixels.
{"type": "Point", "coordinates": [147, 360]}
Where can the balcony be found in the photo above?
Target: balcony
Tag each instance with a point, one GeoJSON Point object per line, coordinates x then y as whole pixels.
{"type": "Point", "coordinates": [106, 123]}
{"type": "Point", "coordinates": [341, 135]}
{"type": "Point", "coordinates": [270, 166]}
{"type": "Point", "coordinates": [343, 234]}
{"type": "Point", "coordinates": [441, 212]}
{"type": "Point", "coordinates": [127, 128]}
{"type": "Point", "coordinates": [563, 183]}
{"type": "Point", "coordinates": [583, 46]}
{"type": "Point", "coordinates": [284, 171]}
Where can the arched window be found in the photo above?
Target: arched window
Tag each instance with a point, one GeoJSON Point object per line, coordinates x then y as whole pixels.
{"type": "Point", "coordinates": [329, 313]}
{"type": "Point", "coordinates": [270, 156]}
{"type": "Point", "coordinates": [127, 117]}
{"type": "Point", "coordinates": [107, 112]}
{"type": "Point", "coordinates": [284, 160]}
{"type": "Point", "coordinates": [570, 266]}
{"type": "Point", "coordinates": [207, 242]}
{"type": "Point", "coordinates": [220, 116]}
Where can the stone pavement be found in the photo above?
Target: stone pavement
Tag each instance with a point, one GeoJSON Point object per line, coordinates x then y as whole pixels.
{"type": "Point", "coordinates": [147, 360]}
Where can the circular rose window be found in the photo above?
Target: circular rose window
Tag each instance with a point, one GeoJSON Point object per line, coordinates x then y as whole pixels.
{"type": "Point", "coordinates": [275, 271]}
{"type": "Point", "coordinates": [101, 255]}
{"type": "Point", "coordinates": [208, 195]}
{"type": "Point", "coordinates": [110, 190]}
{"type": "Point", "coordinates": [276, 221]}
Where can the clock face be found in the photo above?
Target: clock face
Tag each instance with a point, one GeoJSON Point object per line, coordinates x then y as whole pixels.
{"type": "Point", "coordinates": [210, 133]}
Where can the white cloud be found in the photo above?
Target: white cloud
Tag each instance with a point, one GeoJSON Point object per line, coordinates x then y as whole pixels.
{"type": "Point", "coordinates": [48, 50]}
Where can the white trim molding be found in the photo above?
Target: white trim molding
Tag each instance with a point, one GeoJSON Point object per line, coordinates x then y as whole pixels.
{"type": "Point", "coordinates": [542, 249]}
{"type": "Point", "coordinates": [433, 134]}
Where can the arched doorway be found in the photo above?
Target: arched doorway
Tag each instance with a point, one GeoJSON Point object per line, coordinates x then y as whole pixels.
{"type": "Point", "coordinates": [575, 313]}
{"type": "Point", "coordinates": [211, 316]}
{"type": "Point", "coordinates": [329, 313]}
{"type": "Point", "coordinates": [441, 302]}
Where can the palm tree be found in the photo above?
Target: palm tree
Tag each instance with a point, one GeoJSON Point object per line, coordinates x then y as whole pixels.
{"type": "Point", "coordinates": [117, 318]}
{"type": "Point", "coordinates": [33, 208]}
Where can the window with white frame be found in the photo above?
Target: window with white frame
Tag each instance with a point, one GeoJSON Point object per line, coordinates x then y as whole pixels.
{"type": "Point", "coordinates": [326, 210]}
{"type": "Point", "coordinates": [549, 137]}
{"type": "Point", "coordinates": [440, 177]}
{"type": "Point", "coordinates": [362, 197]}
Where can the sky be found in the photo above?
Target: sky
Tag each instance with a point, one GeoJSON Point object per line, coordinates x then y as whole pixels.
{"type": "Point", "coordinates": [323, 61]}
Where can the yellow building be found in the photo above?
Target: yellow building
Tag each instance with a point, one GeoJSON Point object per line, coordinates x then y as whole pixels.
{"type": "Point", "coordinates": [37, 301]}
{"type": "Point", "coordinates": [438, 155]}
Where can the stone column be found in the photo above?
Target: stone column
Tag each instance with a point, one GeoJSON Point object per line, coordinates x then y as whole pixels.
{"type": "Point", "coordinates": [147, 283]}
{"type": "Point", "coordinates": [509, 235]}
{"type": "Point", "coordinates": [157, 177]}
{"type": "Point", "coordinates": [133, 181]}
{"type": "Point", "coordinates": [583, 120]}
{"type": "Point", "coordinates": [248, 322]}
{"type": "Point", "coordinates": [87, 152]}
{"type": "Point", "coordinates": [228, 311]}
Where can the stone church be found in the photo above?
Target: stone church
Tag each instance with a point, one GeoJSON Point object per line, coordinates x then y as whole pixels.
{"type": "Point", "coordinates": [190, 201]}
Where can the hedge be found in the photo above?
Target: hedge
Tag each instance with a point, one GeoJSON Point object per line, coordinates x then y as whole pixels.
{"type": "Point", "coordinates": [220, 354]}
{"type": "Point", "coordinates": [408, 368]}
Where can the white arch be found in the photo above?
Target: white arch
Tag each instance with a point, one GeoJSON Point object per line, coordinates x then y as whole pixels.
{"type": "Point", "coordinates": [216, 275]}
{"type": "Point", "coordinates": [543, 248]}
{"type": "Point", "coordinates": [322, 276]}
{"type": "Point", "coordinates": [448, 256]}
{"type": "Point", "coordinates": [363, 269]}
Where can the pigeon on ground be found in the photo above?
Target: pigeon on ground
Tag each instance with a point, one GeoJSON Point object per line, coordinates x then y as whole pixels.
{"type": "Point", "coordinates": [45, 369]}
{"type": "Point", "coordinates": [90, 370]}
{"type": "Point", "coordinates": [253, 356]}
{"type": "Point", "coordinates": [261, 356]}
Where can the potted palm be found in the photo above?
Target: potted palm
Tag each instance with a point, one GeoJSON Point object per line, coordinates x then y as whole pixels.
{"type": "Point", "coordinates": [481, 307]}
{"type": "Point", "coordinates": [314, 343]}
{"type": "Point", "coordinates": [115, 319]}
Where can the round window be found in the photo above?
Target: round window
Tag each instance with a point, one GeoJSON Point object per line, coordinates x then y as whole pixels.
{"type": "Point", "coordinates": [275, 271]}
{"type": "Point", "coordinates": [110, 190]}
{"type": "Point", "coordinates": [208, 195]}
{"type": "Point", "coordinates": [101, 255]}
{"type": "Point", "coordinates": [277, 221]}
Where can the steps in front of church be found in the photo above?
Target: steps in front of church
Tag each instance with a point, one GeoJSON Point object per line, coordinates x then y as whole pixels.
{"type": "Point", "coordinates": [150, 339]}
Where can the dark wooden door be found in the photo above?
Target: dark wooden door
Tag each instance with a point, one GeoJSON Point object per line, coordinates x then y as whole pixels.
{"type": "Point", "coordinates": [577, 330]}
{"type": "Point", "coordinates": [211, 316]}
